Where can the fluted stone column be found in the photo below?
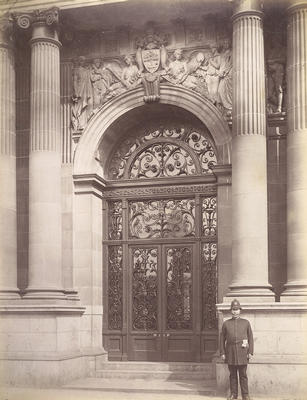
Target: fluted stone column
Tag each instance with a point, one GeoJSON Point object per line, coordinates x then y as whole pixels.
{"type": "Point", "coordinates": [45, 231]}
{"type": "Point", "coordinates": [249, 174]}
{"type": "Point", "coordinates": [296, 286]}
{"type": "Point", "coordinates": [8, 226]}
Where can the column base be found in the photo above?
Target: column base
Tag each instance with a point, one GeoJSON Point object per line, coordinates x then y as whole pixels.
{"type": "Point", "coordinates": [294, 292]}
{"type": "Point", "coordinates": [9, 294]}
{"type": "Point", "coordinates": [257, 294]}
{"type": "Point", "coordinates": [71, 294]}
{"type": "Point", "coordinates": [43, 294]}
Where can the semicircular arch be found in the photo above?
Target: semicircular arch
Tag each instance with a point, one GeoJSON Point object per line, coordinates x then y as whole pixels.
{"type": "Point", "coordinates": [85, 157]}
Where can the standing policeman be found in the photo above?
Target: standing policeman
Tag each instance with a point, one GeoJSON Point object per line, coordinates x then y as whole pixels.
{"type": "Point", "coordinates": [237, 347]}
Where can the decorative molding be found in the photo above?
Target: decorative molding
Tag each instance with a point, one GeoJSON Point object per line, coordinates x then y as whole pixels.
{"type": "Point", "coordinates": [40, 309]}
{"type": "Point", "coordinates": [164, 190]}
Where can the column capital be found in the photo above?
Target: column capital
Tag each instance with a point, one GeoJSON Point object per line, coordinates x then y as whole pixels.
{"type": "Point", "coordinates": [44, 24]}
{"type": "Point", "coordinates": [48, 16]}
{"type": "Point", "coordinates": [247, 8]}
{"type": "Point", "coordinates": [6, 31]}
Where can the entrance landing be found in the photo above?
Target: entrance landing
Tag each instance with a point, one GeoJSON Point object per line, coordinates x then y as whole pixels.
{"type": "Point", "coordinates": [151, 377]}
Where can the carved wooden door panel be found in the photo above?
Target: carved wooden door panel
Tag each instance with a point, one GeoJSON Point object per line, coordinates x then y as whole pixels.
{"type": "Point", "coordinates": [162, 305]}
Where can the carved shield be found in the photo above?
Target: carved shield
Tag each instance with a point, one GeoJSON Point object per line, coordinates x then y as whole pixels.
{"type": "Point", "coordinates": [151, 59]}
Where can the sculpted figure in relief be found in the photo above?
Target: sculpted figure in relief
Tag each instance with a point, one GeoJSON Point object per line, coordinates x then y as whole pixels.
{"type": "Point", "coordinates": [82, 95]}
{"type": "Point", "coordinates": [177, 69]}
{"type": "Point", "coordinates": [195, 76]}
{"type": "Point", "coordinates": [213, 74]}
{"type": "Point", "coordinates": [276, 73]}
{"type": "Point", "coordinates": [106, 81]}
{"type": "Point", "coordinates": [225, 84]}
{"type": "Point", "coordinates": [131, 75]}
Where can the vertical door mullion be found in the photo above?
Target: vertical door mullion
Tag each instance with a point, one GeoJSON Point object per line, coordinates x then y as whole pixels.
{"type": "Point", "coordinates": [163, 296]}
{"type": "Point", "coordinates": [126, 275]}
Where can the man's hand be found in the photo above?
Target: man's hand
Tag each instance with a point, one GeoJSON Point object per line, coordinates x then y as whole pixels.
{"type": "Point", "coordinates": [249, 356]}
{"type": "Point", "coordinates": [223, 357]}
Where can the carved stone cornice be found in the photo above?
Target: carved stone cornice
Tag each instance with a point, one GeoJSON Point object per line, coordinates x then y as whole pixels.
{"type": "Point", "coordinates": [49, 17]}
{"type": "Point", "coordinates": [6, 31]}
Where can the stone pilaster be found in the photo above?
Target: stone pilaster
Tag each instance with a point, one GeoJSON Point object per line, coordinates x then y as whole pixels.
{"type": "Point", "coordinates": [45, 223]}
{"type": "Point", "coordinates": [249, 173]}
{"type": "Point", "coordinates": [8, 226]}
{"type": "Point", "coordinates": [296, 286]}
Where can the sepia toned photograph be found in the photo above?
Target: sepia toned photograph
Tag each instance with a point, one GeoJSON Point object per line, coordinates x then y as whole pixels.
{"type": "Point", "coordinates": [153, 199]}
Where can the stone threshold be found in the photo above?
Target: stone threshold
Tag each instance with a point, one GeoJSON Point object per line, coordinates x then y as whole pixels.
{"type": "Point", "coordinates": [143, 386]}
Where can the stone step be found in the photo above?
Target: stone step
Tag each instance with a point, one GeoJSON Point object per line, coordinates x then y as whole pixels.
{"type": "Point", "coordinates": [153, 375]}
{"type": "Point", "coordinates": [205, 368]}
{"type": "Point", "coordinates": [186, 387]}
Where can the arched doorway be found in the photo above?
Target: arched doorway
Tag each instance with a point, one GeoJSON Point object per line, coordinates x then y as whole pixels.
{"type": "Point", "coordinates": [160, 241]}
{"type": "Point", "coordinates": [159, 224]}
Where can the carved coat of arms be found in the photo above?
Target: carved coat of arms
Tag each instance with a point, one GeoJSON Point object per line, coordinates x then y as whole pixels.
{"type": "Point", "coordinates": [151, 59]}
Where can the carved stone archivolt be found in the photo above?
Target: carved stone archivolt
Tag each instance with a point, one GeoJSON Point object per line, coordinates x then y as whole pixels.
{"type": "Point", "coordinates": [206, 70]}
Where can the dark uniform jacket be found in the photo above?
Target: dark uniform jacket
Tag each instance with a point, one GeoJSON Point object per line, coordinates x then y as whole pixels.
{"type": "Point", "coordinates": [235, 334]}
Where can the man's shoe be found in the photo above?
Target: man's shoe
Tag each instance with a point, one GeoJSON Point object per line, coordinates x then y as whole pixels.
{"type": "Point", "coordinates": [246, 398]}
{"type": "Point", "coordinates": [233, 397]}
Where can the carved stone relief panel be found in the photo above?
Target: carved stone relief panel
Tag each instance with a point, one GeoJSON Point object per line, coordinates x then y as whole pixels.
{"type": "Point", "coordinates": [204, 65]}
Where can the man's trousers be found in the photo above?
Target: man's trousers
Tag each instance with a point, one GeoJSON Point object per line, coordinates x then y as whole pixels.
{"type": "Point", "coordinates": [233, 378]}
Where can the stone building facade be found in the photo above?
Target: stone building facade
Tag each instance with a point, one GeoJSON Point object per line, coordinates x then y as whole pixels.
{"type": "Point", "coordinates": [152, 169]}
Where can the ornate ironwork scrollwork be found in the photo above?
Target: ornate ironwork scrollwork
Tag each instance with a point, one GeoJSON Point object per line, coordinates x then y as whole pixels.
{"type": "Point", "coordinates": [179, 288]}
{"type": "Point", "coordinates": [115, 220]}
{"type": "Point", "coordinates": [209, 285]}
{"type": "Point", "coordinates": [145, 289]}
{"type": "Point", "coordinates": [164, 159]}
{"type": "Point", "coordinates": [162, 218]}
{"type": "Point", "coordinates": [115, 288]}
{"type": "Point", "coordinates": [209, 218]}
{"type": "Point", "coordinates": [160, 160]}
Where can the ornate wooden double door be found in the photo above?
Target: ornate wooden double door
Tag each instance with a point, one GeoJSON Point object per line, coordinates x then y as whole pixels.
{"type": "Point", "coordinates": [161, 276]}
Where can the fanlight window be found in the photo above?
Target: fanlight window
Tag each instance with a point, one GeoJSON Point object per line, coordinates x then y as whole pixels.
{"type": "Point", "coordinates": [164, 153]}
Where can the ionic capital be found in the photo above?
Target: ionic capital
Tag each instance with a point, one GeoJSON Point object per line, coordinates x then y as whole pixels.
{"type": "Point", "coordinates": [44, 24]}
{"type": "Point", "coordinates": [49, 16]}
